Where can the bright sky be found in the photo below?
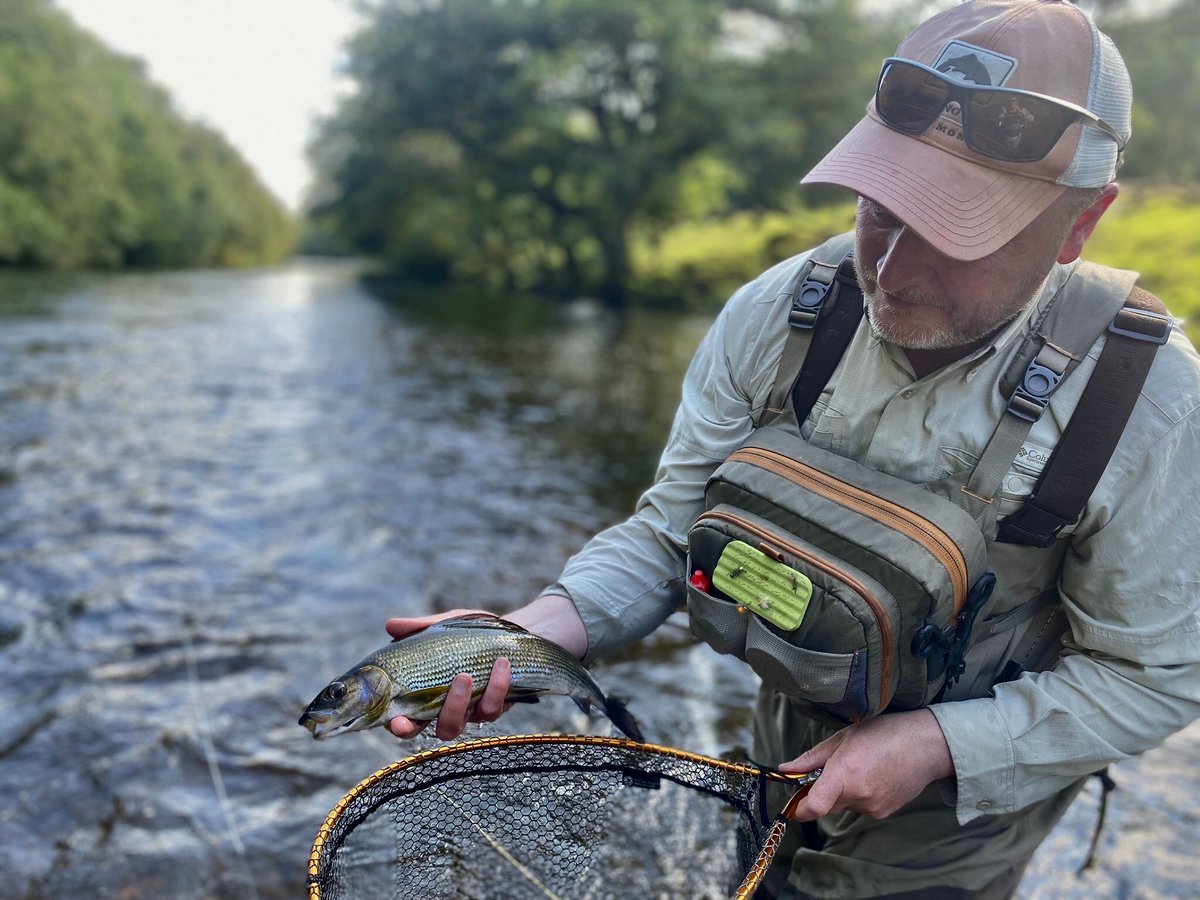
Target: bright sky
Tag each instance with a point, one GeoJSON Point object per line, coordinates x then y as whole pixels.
{"type": "Point", "coordinates": [259, 71]}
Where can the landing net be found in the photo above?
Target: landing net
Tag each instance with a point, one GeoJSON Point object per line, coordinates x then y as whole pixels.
{"type": "Point", "coordinates": [550, 816]}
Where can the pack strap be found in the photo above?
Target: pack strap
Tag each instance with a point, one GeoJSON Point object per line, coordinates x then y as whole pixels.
{"type": "Point", "coordinates": [1070, 324]}
{"type": "Point", "coordinates": [836, 329]}
{"type": "Point", "coordinates": [813, 294]}
{"type": "Point", "coordinates": [1082, 454]}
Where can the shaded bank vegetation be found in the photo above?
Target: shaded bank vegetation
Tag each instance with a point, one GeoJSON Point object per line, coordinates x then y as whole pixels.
{"type": "Point", "coordinates": [644, 150]}
{"type": "Point", "coordinates": [97, 169]}
{"type": "Point", "coordinates": [533, 144]}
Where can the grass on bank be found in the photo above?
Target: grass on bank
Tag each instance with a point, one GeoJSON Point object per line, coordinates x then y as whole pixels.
{"type": "Point", "coordinates": [1154, 230]}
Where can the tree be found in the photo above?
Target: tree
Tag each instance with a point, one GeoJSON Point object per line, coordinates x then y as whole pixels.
{"type": "Point", "coordinates": [521, 142]}
{"type": "Point", "coordinates": [1165, 69]}
{"type": "Point", "coordinates": [97, 169]}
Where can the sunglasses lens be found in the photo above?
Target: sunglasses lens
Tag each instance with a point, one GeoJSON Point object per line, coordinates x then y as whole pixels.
{"type": "Point", "coordinates": [909, 99]}
{"type": "Point", "coordinates": [1019, 129]}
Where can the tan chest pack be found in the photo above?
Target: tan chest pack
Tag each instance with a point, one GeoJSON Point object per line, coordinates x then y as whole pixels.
{"type": "Point", "coordinates": [860, 592]}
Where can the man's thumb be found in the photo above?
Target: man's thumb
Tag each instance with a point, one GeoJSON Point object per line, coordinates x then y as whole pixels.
{"type": "Point", "coordinates": [815, 757]}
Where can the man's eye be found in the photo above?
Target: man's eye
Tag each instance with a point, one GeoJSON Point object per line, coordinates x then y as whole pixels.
{"type": "Point", "coordinates": [880, 215]}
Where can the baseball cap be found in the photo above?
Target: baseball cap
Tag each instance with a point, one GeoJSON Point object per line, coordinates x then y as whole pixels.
{"type": "Point", "coordinates": [961, 203]}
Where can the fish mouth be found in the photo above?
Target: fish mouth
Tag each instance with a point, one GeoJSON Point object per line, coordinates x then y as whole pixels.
{"type": "Point", "coordinates": [320, 727]}
{"type": "Point", "coordinates": [315, 724]}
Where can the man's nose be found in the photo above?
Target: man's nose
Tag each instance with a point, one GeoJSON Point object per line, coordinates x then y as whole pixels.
{"type": "Point", "coordinates": [904, 262]}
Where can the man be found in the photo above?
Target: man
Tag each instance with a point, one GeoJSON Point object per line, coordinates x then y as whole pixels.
{"type": "Point", "coordinates": [960, 241]}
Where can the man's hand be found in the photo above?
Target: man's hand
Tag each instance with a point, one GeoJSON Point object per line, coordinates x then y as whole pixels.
{"type": "Point", "coordinates": [874, 767]}
{"type": "Point", "coordinates": [550, 616]}
{"type": "Point", "coordinates": [457, 709]}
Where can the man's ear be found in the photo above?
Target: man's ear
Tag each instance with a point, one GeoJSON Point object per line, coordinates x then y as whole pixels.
{"type": "Point", "coordinates": [1085, 223]}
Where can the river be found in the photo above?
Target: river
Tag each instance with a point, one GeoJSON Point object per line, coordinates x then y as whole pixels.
{"type": "Point", "coordinates": [216, 486]}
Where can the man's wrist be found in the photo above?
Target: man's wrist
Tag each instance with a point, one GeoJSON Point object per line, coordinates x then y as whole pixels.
{"type": "Point", "coordinates": [554, 617]}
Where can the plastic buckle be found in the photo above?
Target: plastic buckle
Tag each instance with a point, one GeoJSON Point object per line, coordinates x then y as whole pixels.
{"type": "Point", "coordinates": [1159, 326]}
{"type": "Point", "coordinates": [1032, 395]}
{"type": "Point", "coordinates": [808, 303]}
{"type": "Point", "coordinates": [1032, 526]}
{"type": "Point", "coordinates": [945, 649]}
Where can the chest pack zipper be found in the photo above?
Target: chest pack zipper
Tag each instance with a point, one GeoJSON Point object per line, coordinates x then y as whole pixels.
{"type": "Point", "coordinates": [881, 617]}
{"type": "Point", "coordinates": [908, 523]}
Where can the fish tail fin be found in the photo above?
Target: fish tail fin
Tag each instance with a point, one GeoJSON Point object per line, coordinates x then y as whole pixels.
{"type": "Point", "coordinates": [621, 717]}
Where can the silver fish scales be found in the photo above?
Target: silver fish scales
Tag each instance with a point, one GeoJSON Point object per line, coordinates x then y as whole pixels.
{"type": "Point", "coordinates": [410, 677]}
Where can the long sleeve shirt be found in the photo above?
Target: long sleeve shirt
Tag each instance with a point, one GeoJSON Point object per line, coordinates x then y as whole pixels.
{"type": "Point", "coordinates": [1129, 578]}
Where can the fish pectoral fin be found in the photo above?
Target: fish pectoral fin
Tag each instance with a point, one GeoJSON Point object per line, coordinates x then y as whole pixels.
{"type": "Point", "coordinates": [426, 701]}
{"type": "Point", "coordinates": [520, 695]}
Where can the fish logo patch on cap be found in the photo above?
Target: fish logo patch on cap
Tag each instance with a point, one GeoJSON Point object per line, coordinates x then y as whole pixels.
{"type": "Point", "coordinates": [974, 64]}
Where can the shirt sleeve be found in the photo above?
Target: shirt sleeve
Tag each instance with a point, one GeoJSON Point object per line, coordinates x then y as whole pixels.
{"type": "Point", "coordinates": [629, 578]}
{"type": "Point", "coordinates": [1129, 676]}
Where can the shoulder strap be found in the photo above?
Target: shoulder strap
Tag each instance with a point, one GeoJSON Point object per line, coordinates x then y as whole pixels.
{"type": "Point", "coordinates": [827, 301]}
{"type": "Point", "coordinates": [1135, 333]}
{"type": "Point", "coordinates": [1058, 340]}
{"type": "Point", "coordinates": [817, 307]}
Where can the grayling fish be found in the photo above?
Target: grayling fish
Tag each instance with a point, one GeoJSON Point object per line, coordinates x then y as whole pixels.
{"type": "Point", "coordinates": [410, 677]}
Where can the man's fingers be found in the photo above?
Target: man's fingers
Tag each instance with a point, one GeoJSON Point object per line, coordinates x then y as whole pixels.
{"type": "Point", "coordinates": [452, 718]}
{"type": "Point", "coordinates": [404, 727]}
{"type": "Point", "coordinates": [816, 757]}
{"type": "Point", "coordinates": [491, 704]}
{"type": "Point", "coordinates": [458, 708]}
{"type": "Point", "coordinates": [403, 627]}
{"type": "Point", "coordinates": [822, 799]}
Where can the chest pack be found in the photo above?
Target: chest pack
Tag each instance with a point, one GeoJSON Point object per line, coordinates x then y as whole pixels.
{"type": "Point", "coordinates": [858, 591]}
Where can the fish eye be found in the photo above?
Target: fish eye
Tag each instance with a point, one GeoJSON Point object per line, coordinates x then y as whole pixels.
{"type": "Point", "coordinates": [335, 691]}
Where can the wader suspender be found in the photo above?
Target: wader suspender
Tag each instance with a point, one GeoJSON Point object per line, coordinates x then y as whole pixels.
{"type": "Point", "coordinates": [1136, 332]}
{"type": "Point", "coordinates": [827, 302]}
{"type": "Point", "coordinates": [817, 309]}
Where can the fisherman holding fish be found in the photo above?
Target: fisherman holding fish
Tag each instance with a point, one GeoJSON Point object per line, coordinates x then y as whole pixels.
{"type": "Point", "coordinates": [1084, 650]}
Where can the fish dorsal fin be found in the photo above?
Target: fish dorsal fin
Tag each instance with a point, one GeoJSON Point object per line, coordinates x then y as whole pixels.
{"type": "Point", "coordinates": [479, 620]}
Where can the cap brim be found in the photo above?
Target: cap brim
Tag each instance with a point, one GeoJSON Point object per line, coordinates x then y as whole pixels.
{"type": "Point", "coordinates": [960, 208]}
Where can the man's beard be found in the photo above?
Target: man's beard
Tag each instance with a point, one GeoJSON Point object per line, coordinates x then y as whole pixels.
{"type": "Point", "coordinates": [953, 334]}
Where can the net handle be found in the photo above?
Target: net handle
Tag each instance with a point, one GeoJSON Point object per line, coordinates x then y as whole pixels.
{"type": "Point", "coordinates": [774, 838]}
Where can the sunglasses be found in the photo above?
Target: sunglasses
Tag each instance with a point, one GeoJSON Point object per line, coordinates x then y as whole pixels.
{"type": "Point", "coordinates": [1000, 123]}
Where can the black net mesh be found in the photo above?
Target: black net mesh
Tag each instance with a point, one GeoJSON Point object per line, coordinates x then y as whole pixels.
{"type": "Point", "coordinates": [542, 816]}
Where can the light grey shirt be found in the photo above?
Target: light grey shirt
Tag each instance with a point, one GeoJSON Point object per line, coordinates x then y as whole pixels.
{"type": "Point", "coordinates": [1129, 577]}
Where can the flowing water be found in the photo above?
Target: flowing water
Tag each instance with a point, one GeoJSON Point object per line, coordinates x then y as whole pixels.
{"type": "Point", "coordinates": [214, 489]}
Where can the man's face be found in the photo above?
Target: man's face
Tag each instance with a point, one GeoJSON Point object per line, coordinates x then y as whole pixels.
{"type": "Point", "coordinates": [920, 299]}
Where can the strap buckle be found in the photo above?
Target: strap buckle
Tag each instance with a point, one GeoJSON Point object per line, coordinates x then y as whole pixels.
{"type": "Point", "coordinates": [810, 298]}
{"type": "Point", "coordinates": [1032, 395]}
{"type": "Point", "coordinates": [1031, 525]}
{"type": "Point", "coordinates": [1141, 325]}
{"type": "Point", "coordinates": [945, 649]}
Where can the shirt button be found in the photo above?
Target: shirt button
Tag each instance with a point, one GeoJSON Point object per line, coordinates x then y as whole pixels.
{"type": "Point", "coordinates": [984, 805]}
{"type": "Point", "coordinates": [907, 395]}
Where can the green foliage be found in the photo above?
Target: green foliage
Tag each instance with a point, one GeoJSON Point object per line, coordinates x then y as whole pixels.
{"type": "Point", "coordinates": [1164, 65]}
{"type": "Point", "coordinates": [98, 170]}
{"type": "Point", "coordinates": [698, 264]}
{"type": "Point", "coordinates": [524, 143]}
{"type": "Point", "coordinates": [1156, 232]}
{"type": "Point", "coordinates": [643, 149]}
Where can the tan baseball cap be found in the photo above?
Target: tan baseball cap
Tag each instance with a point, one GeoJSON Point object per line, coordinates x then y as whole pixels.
{"type": "Point", "coordinates": [963, 204]}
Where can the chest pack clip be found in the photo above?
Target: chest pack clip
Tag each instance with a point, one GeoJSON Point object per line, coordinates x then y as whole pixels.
{"type": "Point", "coordinates": [945, 649]}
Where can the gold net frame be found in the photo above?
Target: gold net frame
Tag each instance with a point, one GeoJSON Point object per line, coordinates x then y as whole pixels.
{"type": "Point", "coordinates": [323, 847]}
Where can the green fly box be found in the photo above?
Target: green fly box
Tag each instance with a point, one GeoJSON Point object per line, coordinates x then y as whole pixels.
{"type": "Point", "coordinates": [764, 586]}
